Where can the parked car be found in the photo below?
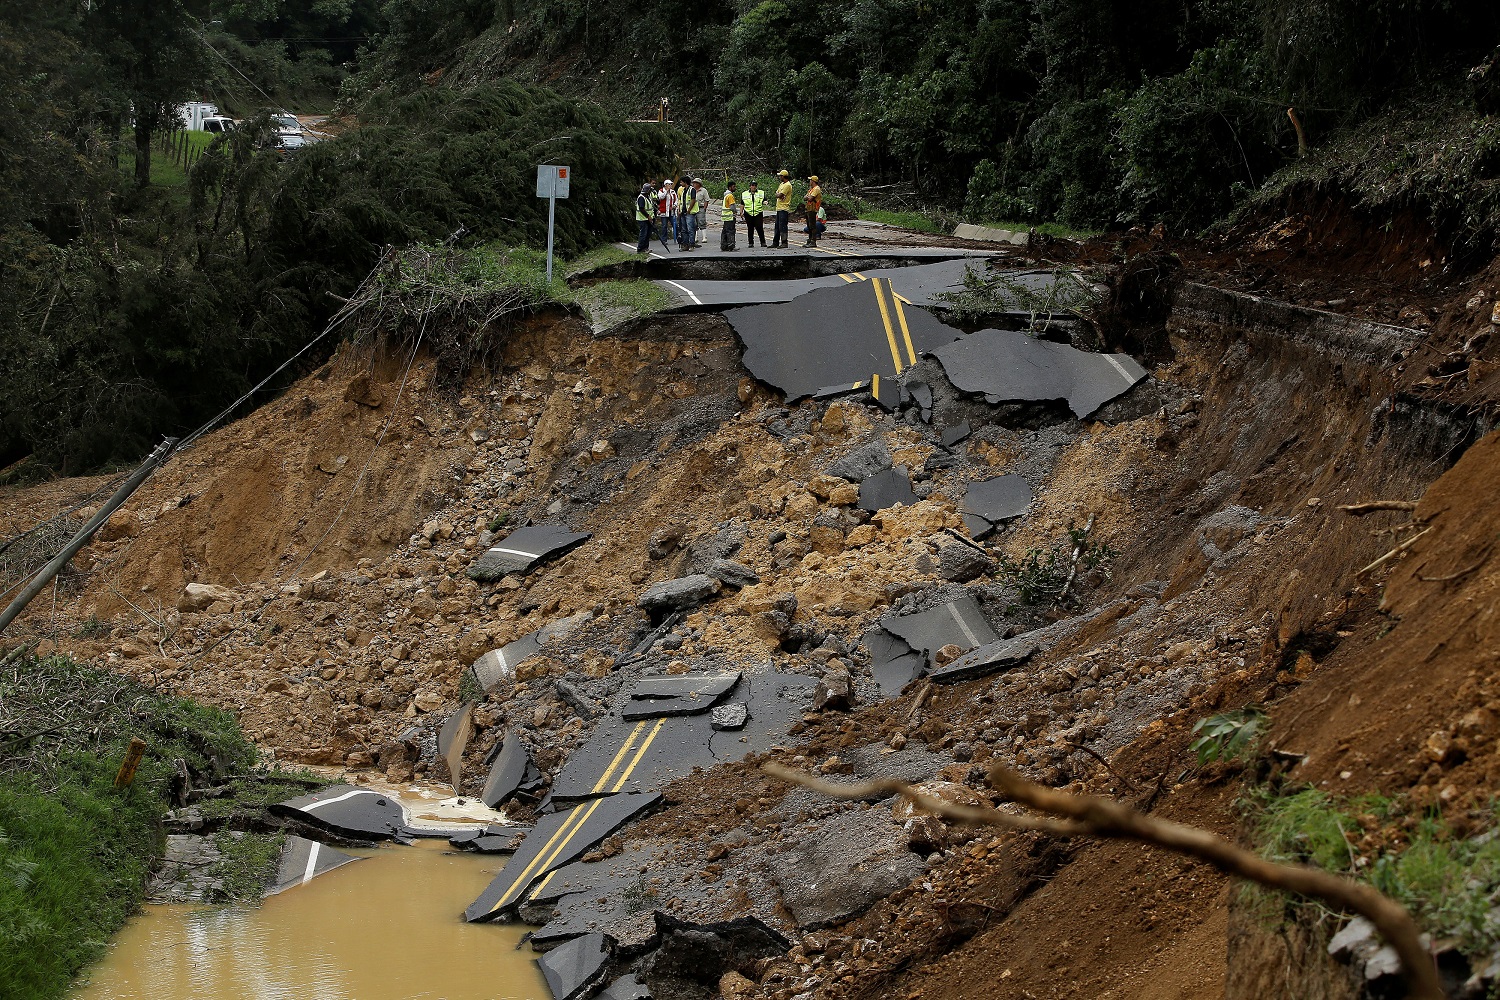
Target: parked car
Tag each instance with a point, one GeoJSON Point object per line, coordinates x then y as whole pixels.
{"type": "Point", "coordinates": [282, 121]}
{"type": "Point", "coordinates": [289, 142]}
{"type": "Point", "coordinates": [218, 124]}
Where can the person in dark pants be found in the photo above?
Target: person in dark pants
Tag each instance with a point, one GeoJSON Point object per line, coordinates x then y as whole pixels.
{"type": "Point", "coordinates": [783, 209]}
{"type": "Point", "coordinates": [644, 212]}
{"type": "Point", "coordinates": [812, 201]}
{"type": "Point", "coordinates": [726, 215]}
{"type": "Point", "coordinates": [755, 215]}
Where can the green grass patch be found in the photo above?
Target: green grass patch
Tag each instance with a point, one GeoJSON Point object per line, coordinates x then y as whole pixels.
{"type": "Point", "coordinates": [1044, 228]}
{"type": "Point", "coordinates": [1447, 882]}
{"type": "Point", "coordinates": [610, 303]}
{"type": "Point", "coordinates": [246, 861]}
{"type": "Point", "coordinates": [165, 170]}
{"type": "Point", "coordinates": [75, 851]}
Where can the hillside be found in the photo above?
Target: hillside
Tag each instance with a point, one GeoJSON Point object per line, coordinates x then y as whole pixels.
{"type": "Point", "coordinates": [342, 520]}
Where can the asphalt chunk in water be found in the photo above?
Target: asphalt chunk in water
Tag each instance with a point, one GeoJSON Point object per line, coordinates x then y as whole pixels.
{"type": "Point", "coordinates": [1007, 366]}
{"type": "Point", "coordinates": [301, 861]}
{"type": "Point", "coordinates": [525, 549]}
{"type": "Point", "coordinates": [348, 811]}
{"type": "Point", "coordinates": [959, 623]}
{"type": "Point", "coordinates": [832, 337]}
{"type": "Point", "coordinates": [558, 839]}
{"type": "Point", "coordinates": [493, 838]}
{"type": "Point", "coordinates": [886, 489]}
{"type": "Point", "coordinates": [575, 969]}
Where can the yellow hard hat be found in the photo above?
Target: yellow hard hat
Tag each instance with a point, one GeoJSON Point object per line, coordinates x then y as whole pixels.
{"type": "Point", "coordinates": [783, 173]}
{"type": "Point", "coordinates": [813, 178]}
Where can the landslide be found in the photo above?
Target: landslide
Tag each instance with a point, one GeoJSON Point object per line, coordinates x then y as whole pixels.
{"type": "Point", "coordinates": [339, 522]}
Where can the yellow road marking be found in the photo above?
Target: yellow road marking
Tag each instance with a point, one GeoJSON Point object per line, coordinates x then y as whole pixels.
{"type": "Point", "coordinates": [890, 331]}
{"type": "Point", "coordinates": [645, 745]}
{"type": "Point", "coordinates": [542, 884]}
{"type": "Point", "coordinates": [581, 814]}
{"type": "Point", "coordinates": [548, 854]}
{"type": "Point", "coordinates": [861, 277]}
{"type": "Point", "coordinates": [903, 298]}
{"type": "Point", "coordinates": [875, 387]}
{"type": "Point", "coordinates": [905, 333]}
{"type": "Point", "coordinates": [604, 778]}
{"type": "Point", "coordinates": [847, 280]}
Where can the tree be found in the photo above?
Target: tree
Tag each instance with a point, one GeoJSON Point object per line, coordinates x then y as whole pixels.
{"type": "Point", "coordinates": [155, 59]}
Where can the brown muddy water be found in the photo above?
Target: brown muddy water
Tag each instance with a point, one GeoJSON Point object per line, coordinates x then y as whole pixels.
{"type": "Point", "coordinates": [384, 928]}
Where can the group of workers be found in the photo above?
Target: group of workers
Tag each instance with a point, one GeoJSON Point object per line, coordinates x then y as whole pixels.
{"type": "Point", "coordinates": [679, 211]}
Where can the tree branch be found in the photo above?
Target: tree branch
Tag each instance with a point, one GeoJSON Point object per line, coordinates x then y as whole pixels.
{"type": "Point", "coordinates": [1090, 816]}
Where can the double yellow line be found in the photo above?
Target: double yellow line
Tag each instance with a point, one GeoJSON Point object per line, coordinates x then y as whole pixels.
{"type": "Point", "coordinates": [580, 815]}
{"type": "Point", "coordinates": [896, 302]}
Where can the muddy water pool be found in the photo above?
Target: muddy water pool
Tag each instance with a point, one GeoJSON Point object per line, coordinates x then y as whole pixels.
{"type": "Point", "coordinates": [387, 927]}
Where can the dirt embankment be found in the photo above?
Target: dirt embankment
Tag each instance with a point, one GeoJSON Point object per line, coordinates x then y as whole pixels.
{"type": "Point", "coordinates": [341, 519]}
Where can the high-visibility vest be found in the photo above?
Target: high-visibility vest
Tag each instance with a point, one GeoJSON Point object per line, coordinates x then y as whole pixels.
{"type": "Point", "coordinates": [686, 204]}
{"type": "Point", "coordinates": [642, 208]}
{"type": "Point", "coordinates": [755, 202]}
{"type": "Point", "coordinates": [700, 200]}
{"type": "Point", "coordinates": [728, 206]}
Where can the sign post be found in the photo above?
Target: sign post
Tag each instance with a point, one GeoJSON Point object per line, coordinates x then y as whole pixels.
{"type": "Point", "coordinates": [552, 184]}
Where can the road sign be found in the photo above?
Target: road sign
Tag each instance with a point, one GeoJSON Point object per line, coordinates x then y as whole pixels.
{"type": "Point", "coordinates": [552, 184]}
{"type": "Point", "coordinates": [551, 181]}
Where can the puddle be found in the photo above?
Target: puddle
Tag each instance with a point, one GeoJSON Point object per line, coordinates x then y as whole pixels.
{"type": "Point", "coordinates": [385, 928]}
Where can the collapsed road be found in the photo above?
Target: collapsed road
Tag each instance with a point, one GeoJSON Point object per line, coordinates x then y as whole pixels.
{"type": "Point", "coordinates": [834, 531]}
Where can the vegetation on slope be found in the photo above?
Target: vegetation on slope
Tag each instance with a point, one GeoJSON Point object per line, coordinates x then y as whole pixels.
{"type": "Point", "coordinates": [75, 851]}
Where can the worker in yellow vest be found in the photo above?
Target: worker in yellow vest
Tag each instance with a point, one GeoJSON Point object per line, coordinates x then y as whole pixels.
{"type": "Point", "coordinates": [755, 215]}
{"type": "Point", "coordinates": [726, 215]}
{"type": "Point", "coordinates": [783, 209]}
{"type": "Point", "coordinates": [687, 215]}
{"type": "Point", "coordinates": [643, 215]}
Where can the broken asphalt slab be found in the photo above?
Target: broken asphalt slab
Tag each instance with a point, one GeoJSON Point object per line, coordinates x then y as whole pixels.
{"type": "Point", "coordinates": [680, 594]}
{"type": "Point", "coordinates": [1007, 366]}
{"type": "Point", "coordinates": [988, 659]}
{"type": "Point", "coordinates": [575, 969]}
{"type": "Point", "coordinates": [959, 623]}
{"type": "Point", "coordinates": [500, 664]}
{"type": "Point", "coordinates": [348, 811]}
{"type": "Point", "coordinates": [301, 861]}
{"type": "Point", "coordinates": [558, 839]}
{"type": "Point", "coordinates": [989, 502]}
{"type": "Point", "coordinates": [886, 489]}
{"type": "Point", "coordinates": [682, 694]}
{"type": "Point", "coordinates": [917, 284]}
{"type": "Point", "coordinates": [626, 988]}
{"type": "Point", "coordinates": [507, 772]}
{"type": "Point", "coordinates": [893, 663]}
{"type": "Point", "coordinates": [493, 838]}
{"type": "Point", "coordinates": [636, 755]}
{"type": "Point", "coordinates": [524, 549]}
{"type": "Point", "coordinates": [836, 337]}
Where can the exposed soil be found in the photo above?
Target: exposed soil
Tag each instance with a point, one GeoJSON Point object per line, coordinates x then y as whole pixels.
{"type": "Point", "coordinates": [342, 517]}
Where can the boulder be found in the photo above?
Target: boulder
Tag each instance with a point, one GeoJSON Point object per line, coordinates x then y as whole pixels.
{"type": "Point", "coordinates": [733, 574]}
{"type": "Point", "coordinates": [834, 691]}
{"type": "Point", "coordinates": [730, 715]}
{"type": "Point", "coordinates": [863, 462]}
{"type": "Point", "coordinates": [961, 563]}
{"type": "Point", "coordinates": [851, 861]}
{"type": "Point", "coordinates": [198, 596]}
{"type": "Point", "coordinates": [678, 595]}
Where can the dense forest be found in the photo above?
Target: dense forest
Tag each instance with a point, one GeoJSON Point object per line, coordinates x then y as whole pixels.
{"type": "Point", "coordinates": [140, 302]}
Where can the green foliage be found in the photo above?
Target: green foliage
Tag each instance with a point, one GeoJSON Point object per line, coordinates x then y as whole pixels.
{"type": "Point", "coordinates": [1447, 882]}
{"type": "Point", "coordinates": [1228, 735]}
{"type": "Point", "coordinates": [1049, 577]}
{"type": "Point", "coordinates": [985, 296]}
{"type": "Point", "coordinates": [76, 851]}
{"type": "Point", "coordinates": [246, 862]}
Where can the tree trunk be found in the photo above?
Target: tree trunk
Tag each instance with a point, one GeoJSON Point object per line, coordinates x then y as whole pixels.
{"type": "Point", "coordinates": [143, 124]}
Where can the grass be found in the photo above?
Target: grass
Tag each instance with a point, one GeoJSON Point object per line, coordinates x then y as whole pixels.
{"type": "Point", "coordinates": [1447, 882]}
{"type": "Point", "coordinates": [1044, 228]}
{"type": "Point", "coordinates": [75, 851]}
{"type": "Point", "coordinates": [165, 171]}
{"type": "Point", "coordinates": [610, 303]}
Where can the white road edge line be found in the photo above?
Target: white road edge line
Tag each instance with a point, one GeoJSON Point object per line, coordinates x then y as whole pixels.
{"type": "Point", "coordinates": [686, 291]}
{"type": "Point", "coordinates": [312, 863]}
{"type": "Point", "coordinates": [1120, 368]}
{"type": "Point", "coordinates": [339, 798]}
{"type": "Point", "coordinates": [968, 632]}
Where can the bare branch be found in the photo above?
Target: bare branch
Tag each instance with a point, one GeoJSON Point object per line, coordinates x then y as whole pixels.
{"type": "Point", "coordinates": [1106, 818]}
{"type": "Point", "coordinates": [1374, 506]}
